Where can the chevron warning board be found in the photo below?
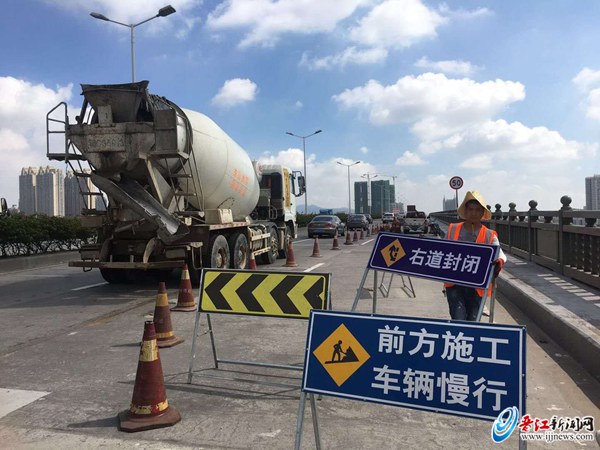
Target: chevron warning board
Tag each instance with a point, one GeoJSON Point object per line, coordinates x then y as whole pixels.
{"type": "Point", "coordinates": [276, 294]}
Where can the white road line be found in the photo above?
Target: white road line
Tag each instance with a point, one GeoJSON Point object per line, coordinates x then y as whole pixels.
{"type": "Point", "coordinates": [310, 269]}
{"type": "Point", "coordinates": [89, 286]}
{"type": "Point", "coordinates": [366, 242]}
{"type": "Point", "coordinates": [302, 240]}
{"type": "Point", "coordinates": [13, 399]}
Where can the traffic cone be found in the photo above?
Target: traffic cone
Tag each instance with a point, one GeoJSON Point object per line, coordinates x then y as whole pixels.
{"type": "Point", "coordinates": [316, 251]}
{"type": "Point", "coordinates": [355, 236]}
{"type": "Point", "coordinates": [149, 405]}
{"type": "Point", "coordinates": [335, 245]}
{"type": "Point", "coordinates": [291, 259]}
{"type": "Point", "coordinates": [185, 298]}
{"type": "Point", "coordinates": [362, 234]}
{"type": "Point", "coordinates": [348, 238]}
{"type": "Point", "coordinates": [252, 261]}
{"type": "Point", "coordinates": [162, 320]}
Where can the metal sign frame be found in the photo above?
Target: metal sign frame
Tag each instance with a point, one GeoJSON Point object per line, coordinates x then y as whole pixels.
{"type": "Point", "coordinates": [325, 382]}
{"type": "Point", "coordinates": [216, 359]}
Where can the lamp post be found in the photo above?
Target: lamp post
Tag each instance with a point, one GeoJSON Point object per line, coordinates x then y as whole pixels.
{"type": "Point", "coordinates": [162, 12]}
{"type": "Point", "coordinates": [368, 176]}
{"type": "Point", "coordinates": [304, 154]}
{"type": "Point", "coordinates": [348, 166]}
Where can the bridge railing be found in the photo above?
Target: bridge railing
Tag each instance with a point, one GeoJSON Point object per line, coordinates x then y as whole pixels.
{"type": "Point", "coordinates": [565, 241]}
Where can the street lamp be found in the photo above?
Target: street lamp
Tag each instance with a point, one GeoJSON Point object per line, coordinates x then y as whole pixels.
{"type": "Point", "coordinates": [304, 153]}
{"type": "Point", "coordinates": [368, 176]}
{"type": "Point", "coordinates": [348, 166]}
{"type": "Point", "coordinates": [162, 12]}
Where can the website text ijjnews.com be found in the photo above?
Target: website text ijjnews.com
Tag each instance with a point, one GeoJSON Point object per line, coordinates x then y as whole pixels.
{"type": "Point", "coordinates": [550, 436]}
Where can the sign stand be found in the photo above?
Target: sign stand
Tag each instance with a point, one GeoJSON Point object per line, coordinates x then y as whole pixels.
{"type": "Point", "coordinates": [300, 420]}
{"type": "Point", "coordinates": [385, 290]}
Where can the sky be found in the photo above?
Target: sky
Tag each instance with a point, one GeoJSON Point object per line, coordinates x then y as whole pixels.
{"type": "Point", "coordinates": [505, 94]}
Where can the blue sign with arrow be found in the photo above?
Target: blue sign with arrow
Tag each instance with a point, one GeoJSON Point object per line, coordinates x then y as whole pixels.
{"type": "Point", "coordinates": [464, 263]}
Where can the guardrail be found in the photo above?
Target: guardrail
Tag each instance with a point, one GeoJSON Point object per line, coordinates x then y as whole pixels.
{"type": "Point", "coordinates": [565, 241]}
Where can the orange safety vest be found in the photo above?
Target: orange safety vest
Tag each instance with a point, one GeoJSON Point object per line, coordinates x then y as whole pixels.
{"type": "Point", "coordinates": [485, 236]}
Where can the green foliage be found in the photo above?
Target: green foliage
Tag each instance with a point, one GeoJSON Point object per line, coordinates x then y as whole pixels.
{"type": "Point", "coordinates": [27, 235]}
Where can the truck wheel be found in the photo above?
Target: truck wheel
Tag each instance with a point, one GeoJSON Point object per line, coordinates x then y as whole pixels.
{"type": "Point", "coordinates": [238, 243]}
{"type": "Point", "coordinates": [287, 237]}
{"type": "Point", "coordinates": [271, 256]}
{"type": "Point", "coordinates": [218, 252]}
{"type": "Point", "coordinates": [113, 276]}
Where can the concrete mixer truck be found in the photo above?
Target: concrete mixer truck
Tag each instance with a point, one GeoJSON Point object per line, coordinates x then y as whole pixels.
{"type": "Point", "coordinates": [175, 187]}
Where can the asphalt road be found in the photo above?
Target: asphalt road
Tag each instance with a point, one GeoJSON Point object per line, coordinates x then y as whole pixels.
{"type": "Point", "coordinates": [71, 341]}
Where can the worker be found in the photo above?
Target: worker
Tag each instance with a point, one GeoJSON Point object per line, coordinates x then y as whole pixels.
{"type": "Point", "coordinates": [464, 302]}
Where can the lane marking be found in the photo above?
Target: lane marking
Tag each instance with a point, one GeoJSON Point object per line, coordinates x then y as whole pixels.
{"type": "Point", "coordinates": [13, 399]}
{"type": "Point", "coordinates": [314, 267]}
{"type": "Point", "coordinates": [366, 242]}
{"type": "Point", "coordinates": [90, 286]}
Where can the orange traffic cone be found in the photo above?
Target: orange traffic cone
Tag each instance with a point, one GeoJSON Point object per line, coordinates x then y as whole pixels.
{"type": "Point", "coordinates": [252, 261]}
{"type": "Point", "coordinates": [291, 259]}
{"type": "Point", "coordinates": [335, 245]}
{"type": "Point", "coordinates": [162, 320]}
{"type": "Point", "coordinates": [316, 253]}
{"type": "Point", "coordinates": [149, 405]}
{"type": "Point", "coordinates": [362, 234]}
{"type": "Point", "coordinates": [355, 236]}
{"type": "Point", "coordinates": [185, 298]}
{"type": "Point", "coordinates": [348, 238]}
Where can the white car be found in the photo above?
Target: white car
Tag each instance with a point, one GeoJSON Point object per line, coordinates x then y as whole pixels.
{"type": "Point", "coordinates": [387, 217]}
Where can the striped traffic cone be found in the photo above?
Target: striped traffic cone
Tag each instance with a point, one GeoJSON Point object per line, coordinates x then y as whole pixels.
{"type": "Point", "coordinates": [348, 238]}
{"type": "Point", "coordinates": [335, 245]}
{"type": "Point", "coordinates": [162, 320]}
{"type": "Point", "coordinates": [355, 236]}
{"type": "Point", "coordinates": [252, 262]}
{"type": "Point", "coordinates": [149, 405]}
{"type": "Point", "coordinates": [185, 298]}
{"type": "Point", "coordinates": [362, 234]}
{"type": "Point", "coordinates": [316, 251]}
{"type": "Point", "coordinates": [291, 259]}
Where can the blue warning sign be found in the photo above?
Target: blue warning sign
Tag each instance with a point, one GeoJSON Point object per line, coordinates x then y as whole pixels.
{"type": "Point", "coordinates": [464, 263]}
{"type": "Point", "coordinates": [462, 368]}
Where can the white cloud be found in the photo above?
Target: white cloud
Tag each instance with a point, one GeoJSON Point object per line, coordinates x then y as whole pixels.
{"type": "Point", "coordinates": [268, 20]}
{"type": "Point", "coordinates": [23, 128]}
{"type": "Point", "coordinates": [351, 55]}
{"type": "Point", "coordinates": [298, 104]}
{"type": "Point", "coordinates": [235, 92]}
{"type": "Point", "coordinates": [437, 105]}
{"type": "Point", "coordinates": [451, 67]}
{"type": "Point", "coordinates": [588, 81]}
{"type": "Point", "coordinates": [409, 158]}
{"type": "Point", "coordinates": [397, 24]}
{"type": "Point", "coordinates": [364, 150]}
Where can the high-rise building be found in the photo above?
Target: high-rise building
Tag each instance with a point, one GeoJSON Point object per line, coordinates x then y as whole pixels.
{"type": "Point", "coordinates": [592, 192]}
{"type": "Point", "coordinates": [74, 201]}
{"type": "Point", "coordinates": [382, 196]}
{"type": "Point", "coordinates": [50, 191]}
{"type": "Point", "coordinates": [449, 204]}
{"type": "Point", "coordinates": [361, 200]}
{"type": "Point", "coordinates": [27, 190]}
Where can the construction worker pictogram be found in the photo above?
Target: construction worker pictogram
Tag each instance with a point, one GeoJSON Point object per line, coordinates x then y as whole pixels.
{"type": "Point", "coordinates": [341, 354]}
{"type": "Point", "coordinates": [393, 252]}
{"type": "Point", "coordinates": [149, 407]}
{"type": "Point", "coordinates": [262, 293]}
{"type": "Point", "coordinates": [162, 320]}
{"type": "Point", "coordinates": [185, 298]}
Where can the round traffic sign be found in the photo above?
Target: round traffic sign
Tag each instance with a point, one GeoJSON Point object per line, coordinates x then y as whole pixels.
{"type": "Point", "coordinates": [456, 183]}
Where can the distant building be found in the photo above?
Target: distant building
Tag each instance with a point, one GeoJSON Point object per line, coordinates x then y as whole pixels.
{"type": "Point", "coordinates": [27, 190]}
{"type": "Point", "coordinates": [361, 197]}
{"type": "Point", "coordinates": [592, 192]}
{"type": "Point", "coordinates": [74, 201]}
{"type": "Point", "coordinates": [449, 204]}
{"type": "Point", "coordinates": [50, 191]}
{"type": "Point", "coordinates": [382, 196]}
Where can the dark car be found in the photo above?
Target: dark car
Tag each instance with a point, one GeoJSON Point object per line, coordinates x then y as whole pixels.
{"type": "Point", "coordinates": [357, 221]}
{"type": "Point", "coordinates": [326, 226]}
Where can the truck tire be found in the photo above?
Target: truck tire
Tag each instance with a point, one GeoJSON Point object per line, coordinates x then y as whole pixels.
{"type": "Point", "coordinates": [114, 276]}
{"type": "Point", "coordinates": [218, 253]}
{"type": "Point", "coordinates": [287, 237]}
{"type": "Point", "coordinates": [238, 244]}
{"type": "Point", "coordinates": [271, 256]}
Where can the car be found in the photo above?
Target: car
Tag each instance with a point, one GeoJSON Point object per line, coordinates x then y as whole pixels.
{"type": "Point", "coordinates": [387, 217]}
{"type": "Point", "coordinates": [357, 221]}
{"type": "Point", "coordinates": [369, 218]}
{"type": "Point", "coordinates": [326, 225]}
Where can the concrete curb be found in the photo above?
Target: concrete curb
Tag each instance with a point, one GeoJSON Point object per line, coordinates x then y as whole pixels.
{"type": "Point", "coordinates": [35, 261]}
{"type": "Point", "coordinates": [580, 339]}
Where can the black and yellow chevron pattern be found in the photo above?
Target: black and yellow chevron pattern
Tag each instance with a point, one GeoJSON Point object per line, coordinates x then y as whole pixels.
{"type": "Point", "coordinates": [276, 294]}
